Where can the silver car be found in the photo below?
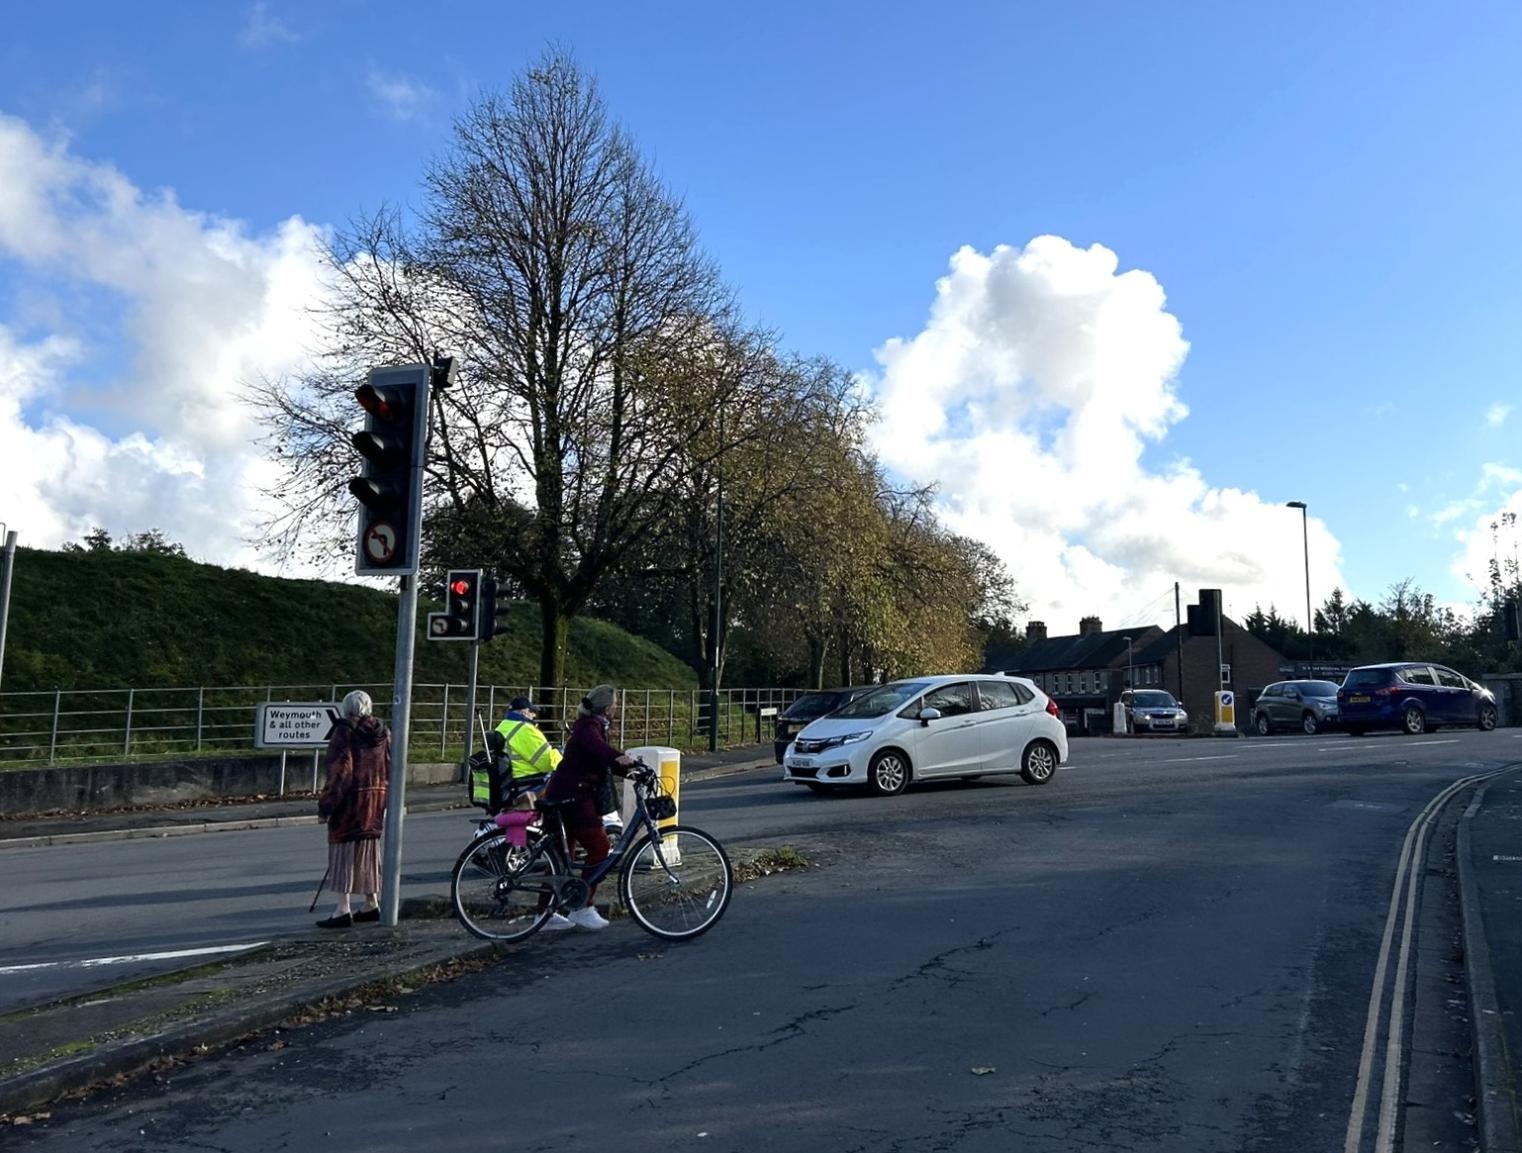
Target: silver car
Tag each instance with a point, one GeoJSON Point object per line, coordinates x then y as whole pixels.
{"type": "Point", "coordinates": [1308, 706]}
{"type": "Point", "coordinates": [1155, 711]}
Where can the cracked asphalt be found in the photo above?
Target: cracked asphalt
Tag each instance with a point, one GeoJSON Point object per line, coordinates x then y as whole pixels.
{"type": "Point", "coordinates": [1152, 953]}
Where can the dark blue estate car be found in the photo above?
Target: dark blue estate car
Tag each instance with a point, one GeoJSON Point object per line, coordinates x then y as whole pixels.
{"type": "Point", "coordinates": [1413, 696]}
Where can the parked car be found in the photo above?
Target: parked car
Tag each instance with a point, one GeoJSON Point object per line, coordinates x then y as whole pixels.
{"type": "Point", "coordinates": [810, 707]}
{"type": "Point", "coordinates": [1413, 696]}
{"type": "Point", "coordinates": [931, 728]}
{"type": "Point", "coordinates": [1154, 711]}
{"type": "Point", "coordinates": [1309, 706]}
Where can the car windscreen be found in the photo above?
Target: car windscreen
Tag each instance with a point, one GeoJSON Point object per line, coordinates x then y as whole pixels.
{"type": "Point", "coordinates": [882, 701]}
{"type": "Point", "coordinates": [812, 705]}
{"type": "Point", "coordinates": [1317, 688]}
{"type": "Point", "coordinates": [1366, 678]}
{"type": "Point", "coordinates": [1152, 700]}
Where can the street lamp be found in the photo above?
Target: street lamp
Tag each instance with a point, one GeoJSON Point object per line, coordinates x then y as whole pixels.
{"type": "Point", "coordinates": [1130, 676]}
{"type": "Point", "coordinates": [1310, 623]}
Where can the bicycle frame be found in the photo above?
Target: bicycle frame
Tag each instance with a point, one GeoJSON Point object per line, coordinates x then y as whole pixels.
{"type": "Point", "coordinates": [641, 820]}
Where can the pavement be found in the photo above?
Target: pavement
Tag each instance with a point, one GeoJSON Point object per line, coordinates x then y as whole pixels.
{"type": "Point", "coordinates": [1490, 889]}
{"type": "Point", "coordinates": [63, 1048]}
{"type": "Point", "coordinates": [118, 1030]}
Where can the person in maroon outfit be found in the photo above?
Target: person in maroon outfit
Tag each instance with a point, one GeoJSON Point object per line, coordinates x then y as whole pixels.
{"type": "Point", "coordinates": [578, 782]}
{"type": "Point", "coordinates": [354, 805]}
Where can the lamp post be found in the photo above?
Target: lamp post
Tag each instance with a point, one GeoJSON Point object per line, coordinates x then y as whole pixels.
{"type": "Point", "coordinates": [1310, 623]}
{"type": "Point", "coordinates": [1130, 676]}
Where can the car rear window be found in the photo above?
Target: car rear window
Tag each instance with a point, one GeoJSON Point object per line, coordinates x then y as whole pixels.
{"type": "Point", "coordinates": [1366, 678]}
{"type": "Point", "coordinates": [813, 705]}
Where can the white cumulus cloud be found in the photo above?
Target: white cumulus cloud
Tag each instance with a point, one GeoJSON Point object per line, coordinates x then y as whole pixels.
{"type": "Point", "coordinates": [151, 429]}
{"type": "Point", "coordinates": [1039, 379]}
{"type": "Point", "coordinates": [1496, 414]}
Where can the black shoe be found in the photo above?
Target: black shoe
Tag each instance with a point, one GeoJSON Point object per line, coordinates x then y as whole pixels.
{"type": "Point", "coordinates": [341, 922]}
{"type": "Point", "coordinates": [367, 915]}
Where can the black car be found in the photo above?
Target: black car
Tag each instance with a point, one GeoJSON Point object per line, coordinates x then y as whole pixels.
{"type": "Point", "coordinates": [810, 707]}
{"type": "Point", "coordinates": [1413, 696]}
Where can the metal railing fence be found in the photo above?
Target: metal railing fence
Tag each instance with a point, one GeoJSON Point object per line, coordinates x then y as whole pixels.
{"type": "Point", "coordinates": [45, 728]}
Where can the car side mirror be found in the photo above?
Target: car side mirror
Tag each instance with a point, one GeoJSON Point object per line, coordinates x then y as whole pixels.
{"type": "Point", "coordinates": [928, 715]}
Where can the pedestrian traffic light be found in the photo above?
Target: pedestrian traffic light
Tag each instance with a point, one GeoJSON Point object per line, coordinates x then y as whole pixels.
{"type": "Point", "coordinates": [461, 618]}
{"type": "Point", "coordinates": [1512, 620]}
{"type": "Point", "coordinates": [488, 621]}
{"type": "Point", "coordinates": [392, 446]}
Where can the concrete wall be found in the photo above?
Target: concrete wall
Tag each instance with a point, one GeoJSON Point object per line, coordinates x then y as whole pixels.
{"type": "Point", "coordinates": [83, 788]}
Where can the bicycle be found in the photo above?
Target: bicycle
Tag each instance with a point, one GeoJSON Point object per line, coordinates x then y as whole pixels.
{"type": "Point", "coordinates": [675, 881]}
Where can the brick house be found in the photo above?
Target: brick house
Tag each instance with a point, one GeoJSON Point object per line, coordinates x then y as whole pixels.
{"type": "Point", "coordinates": [1086, 673]}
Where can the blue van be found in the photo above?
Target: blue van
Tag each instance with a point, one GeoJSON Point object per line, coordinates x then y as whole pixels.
{"type": "Point", "coordinates": [1413, 696]}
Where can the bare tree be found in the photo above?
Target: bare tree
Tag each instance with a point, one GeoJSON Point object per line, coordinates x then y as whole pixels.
{"type": "Point", "coordinates": [596, 344]}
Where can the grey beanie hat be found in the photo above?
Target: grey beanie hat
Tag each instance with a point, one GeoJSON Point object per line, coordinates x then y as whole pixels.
{"type": "Point", "coordinates": [598, 700]}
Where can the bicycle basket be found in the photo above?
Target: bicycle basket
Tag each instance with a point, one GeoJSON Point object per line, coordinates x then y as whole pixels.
{"type": "Point", "coordinates": [661, 808]}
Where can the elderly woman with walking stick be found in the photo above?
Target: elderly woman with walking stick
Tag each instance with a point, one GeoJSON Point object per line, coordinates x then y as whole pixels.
{"type": "Point", "coordinates": [353, 802]}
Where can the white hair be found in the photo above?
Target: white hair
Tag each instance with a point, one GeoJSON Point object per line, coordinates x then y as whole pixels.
{"type": "Point", "coordinates": [357, 704]}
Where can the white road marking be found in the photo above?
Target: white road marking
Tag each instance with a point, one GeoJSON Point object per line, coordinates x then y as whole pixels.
{"type": "Point", "coordinates": [1181, 760]}
{"type": "Point", "coordinates": [1407, 875]}
{"type": "Point", "coordinates": [132, 958]}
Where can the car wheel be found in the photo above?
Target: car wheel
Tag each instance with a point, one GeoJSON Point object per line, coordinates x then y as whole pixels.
{"type": "Point", "coordinates": [1039, 762]}
{"type": "Point", "coordinates": [888, 773]}
{"type": "Point", "coordinates": [1262, 725]}
{"type": "Point", "coordinates": [1308, 724]}
{"type": "Point", "coordinates": [1413, 721]}
{"type": "Point", "coordinates": [1487, 718]}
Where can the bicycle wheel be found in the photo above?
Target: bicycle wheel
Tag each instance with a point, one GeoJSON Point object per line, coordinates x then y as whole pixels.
{"type": "Point", "coordinates": [677, 885]}
{"type": "Point", "coordinates": [501, 892]}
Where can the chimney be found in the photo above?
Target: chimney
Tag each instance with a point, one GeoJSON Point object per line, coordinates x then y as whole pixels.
{"type": "Point", "coordinates": [1089, 626]}
{"type": "Point", "coordinates": [1035, 631]}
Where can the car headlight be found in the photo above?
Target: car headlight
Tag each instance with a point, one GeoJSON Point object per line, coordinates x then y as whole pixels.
{"type": "Point", "coordinates": [854, 738]}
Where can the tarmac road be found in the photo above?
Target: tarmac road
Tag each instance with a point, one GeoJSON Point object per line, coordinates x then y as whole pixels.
{"type": "Point", "coordinates": [1169, 948]}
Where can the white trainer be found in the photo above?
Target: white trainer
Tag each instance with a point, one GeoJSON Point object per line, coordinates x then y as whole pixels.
{"type": "Point", "coordinates": [589, 918]}
{"type": "Point", "coordinates": [556, 921]}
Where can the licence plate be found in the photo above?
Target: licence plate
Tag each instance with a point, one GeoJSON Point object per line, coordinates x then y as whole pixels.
{"type": "Point", "coordinates": [1358, 700]}
{"type": "Point", "coordinates": [801, 763]}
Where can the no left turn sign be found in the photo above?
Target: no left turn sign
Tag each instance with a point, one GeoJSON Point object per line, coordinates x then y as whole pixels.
{"type": "Point", "coordinates": [380, 542]}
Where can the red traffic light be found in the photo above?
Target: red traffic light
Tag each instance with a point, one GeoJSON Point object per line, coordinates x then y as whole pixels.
{"type": "Point", "coordinates": [387, 404]}
{"type": "Point", "coordinates": [460, 587]}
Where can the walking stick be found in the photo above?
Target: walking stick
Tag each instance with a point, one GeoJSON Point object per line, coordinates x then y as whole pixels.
{"type": "Point", "coordinates": [320, 884]}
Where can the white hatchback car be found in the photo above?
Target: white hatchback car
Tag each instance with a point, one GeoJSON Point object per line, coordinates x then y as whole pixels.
{"type": "Point", "coordinates": [928, 728]}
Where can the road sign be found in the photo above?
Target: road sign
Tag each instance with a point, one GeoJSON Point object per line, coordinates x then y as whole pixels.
{"type": "Point", "coordinates": [288, 725]}
{"type": "Point", "coordinates": [380, 542]}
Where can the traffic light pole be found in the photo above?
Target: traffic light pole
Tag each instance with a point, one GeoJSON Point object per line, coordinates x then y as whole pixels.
{"type": "Point", "coordinates": [470, 709]}
{"type": "Point", "coordinates": [401, 712]}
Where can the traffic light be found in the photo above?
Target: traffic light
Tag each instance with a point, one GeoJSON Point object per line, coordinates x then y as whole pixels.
{"type": "Point", "coordinates": [392, 445]}
{"type": "Point", "coordinates": [461, 618]}
{"type": "Point", "coordinates": [488, 619]}
{"type": "Point", "coordinates": [1512, 620]}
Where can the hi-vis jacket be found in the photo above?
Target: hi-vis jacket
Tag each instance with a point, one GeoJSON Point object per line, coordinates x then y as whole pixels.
{"type": "Point", "coordinates": [530, 753]}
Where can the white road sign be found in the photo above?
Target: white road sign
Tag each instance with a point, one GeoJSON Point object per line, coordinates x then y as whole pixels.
{"type": "Point", "coordinates": [380, 542]}
{"type": "Point", "coordinates": [286, 725]}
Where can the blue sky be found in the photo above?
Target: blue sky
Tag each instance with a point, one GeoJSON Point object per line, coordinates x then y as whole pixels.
{"type": "Point", "coordinates": [1327, 194]}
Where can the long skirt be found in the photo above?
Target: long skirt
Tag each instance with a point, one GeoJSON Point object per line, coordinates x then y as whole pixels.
{"type": "Point", "coordinates": [354, 866]}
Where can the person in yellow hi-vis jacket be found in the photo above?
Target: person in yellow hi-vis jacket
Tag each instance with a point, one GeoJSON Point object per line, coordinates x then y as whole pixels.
{"type": "Point", "coordinates": [531, 755]}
